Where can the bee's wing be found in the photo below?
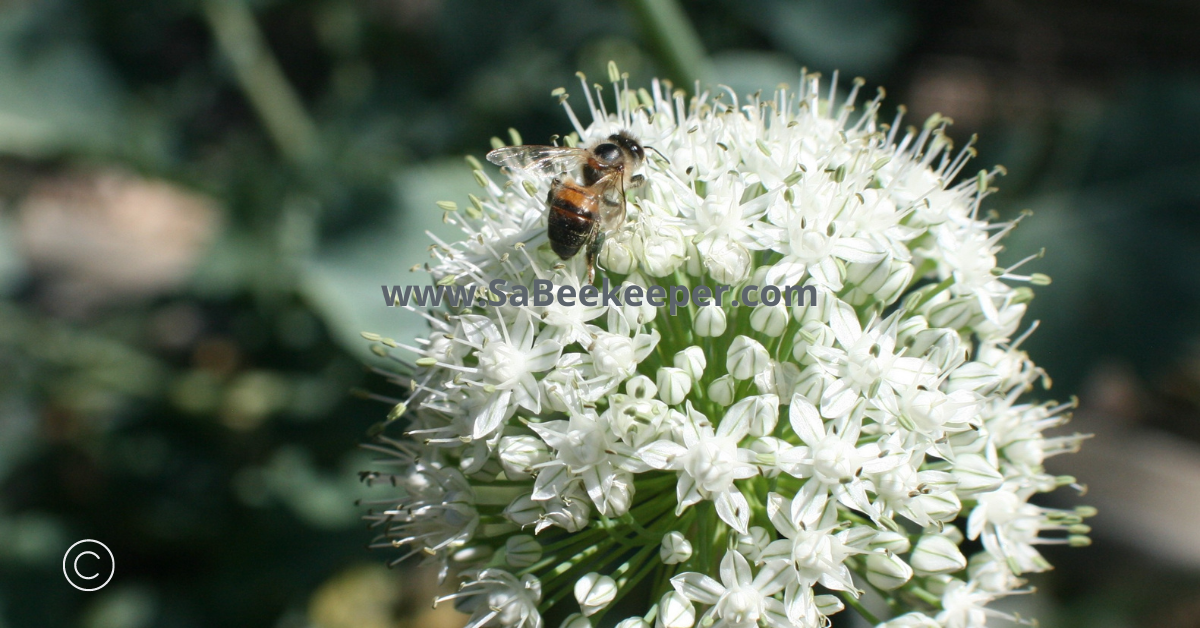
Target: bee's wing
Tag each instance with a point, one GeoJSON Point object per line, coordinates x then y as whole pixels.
{"type": "Point", "coordinates": [543, 160]}
{"type": "Point", "coordinates": [611, 189]}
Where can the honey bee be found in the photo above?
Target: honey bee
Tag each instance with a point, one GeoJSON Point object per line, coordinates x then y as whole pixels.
{"type": "Point", "coordinates": [581, 215]}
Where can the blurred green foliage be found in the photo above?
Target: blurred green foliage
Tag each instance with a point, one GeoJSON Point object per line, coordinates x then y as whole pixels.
{"type": "Point", "coordinates": [201, 196]}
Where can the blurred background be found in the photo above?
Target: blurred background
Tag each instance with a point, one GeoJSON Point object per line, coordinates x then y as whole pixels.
{"type": "Point", "coordinates": [199, 198]}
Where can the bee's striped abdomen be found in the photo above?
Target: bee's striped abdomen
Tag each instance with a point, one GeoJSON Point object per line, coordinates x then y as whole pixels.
{"type": "Point", "coordinates": [571, 220]}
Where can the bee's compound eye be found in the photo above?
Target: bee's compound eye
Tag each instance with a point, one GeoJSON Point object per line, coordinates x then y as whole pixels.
{"type": "Point", "coordinates": [610, 153]}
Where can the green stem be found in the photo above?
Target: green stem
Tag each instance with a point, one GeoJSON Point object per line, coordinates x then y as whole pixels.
{"type": "Point", "coordinates": [653, 484]}
{"type": "Point", "coordinates": [572, 539]}
{"type": "Point", "coordinates": [563, 582]}
{"type": "Point", "coordinates": [260, 77]}
{"type": "Point", "coordinates": [674, 39]}
{"type": "Point", "coordinates": [925, 596]}
{"type": "Point", "coordinates": [566, 550]}
{"type": "Point", "coordinates": [592, 558]}
{"type": "Point", "coordinates": [946, 283]}
{"type": "Point", "coordinates": [628, 585]}
{"type": "Point", "coordinates": [858, 607]}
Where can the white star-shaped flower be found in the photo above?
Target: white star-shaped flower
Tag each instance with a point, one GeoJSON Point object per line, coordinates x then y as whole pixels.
{"type": "Point", "coordinates": [742, 599]}
{"type": "Point", "coordinates": [708, 462]}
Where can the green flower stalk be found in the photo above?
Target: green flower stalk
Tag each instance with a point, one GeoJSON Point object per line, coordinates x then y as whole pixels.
{"type": "Point", "coordinates": [757, 464]}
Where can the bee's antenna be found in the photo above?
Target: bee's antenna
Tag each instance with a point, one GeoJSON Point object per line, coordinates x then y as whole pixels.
{"type": "Point", "coordinates": [659, 153]}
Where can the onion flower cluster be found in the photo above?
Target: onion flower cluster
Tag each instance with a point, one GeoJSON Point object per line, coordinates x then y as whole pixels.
{"type": "Point", "coordinates": [764, 464]}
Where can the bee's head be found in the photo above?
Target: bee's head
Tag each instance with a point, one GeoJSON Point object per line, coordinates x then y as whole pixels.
{"type": "Point", "coordinates": [608, 153]}
{"type": "Point", "coordinates": [630, 148]}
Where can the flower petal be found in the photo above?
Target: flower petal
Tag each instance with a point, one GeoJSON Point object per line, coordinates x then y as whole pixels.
{"type": "Point", "coordinates": [663, 454]}
{"type": "Point", "coordinates": [550, 481]}
{"type": "Point", "coordinates": [734, 510]}
{"type": "Point", "coordinates": [779, 509]}
{"type": "Point", "coordinates": [787, 272]}
{"type": "Point", "coordinates": [493, 415]}
{"type": "Point", "coordinates": [772, 577]}
{"type": "Point", "coordinates": [858, 250]}
{"type": "Point", "coordinates": [805, 420]}
{"type": "Point", "coordinates": [698, 587]}
{"type": "Point", "coordinates": [542, 356]}
{"type": "Point", "coordinates": [809, 504]}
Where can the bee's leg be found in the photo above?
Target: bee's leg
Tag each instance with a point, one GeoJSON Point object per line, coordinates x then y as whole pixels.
{"type": "Point", "coordinates": [637, 181]}
{"type": "Point", "coordinates": [593, 251]}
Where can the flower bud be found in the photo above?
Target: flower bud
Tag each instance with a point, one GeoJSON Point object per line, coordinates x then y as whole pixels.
{"type": "Point", "coordinates": [778, 380]}
{"type": "Point", "coordinates": [675, 548]}
{"type": "Point", "coordinates": [771, 320]}
{"type": "Point", "coordinates": [951, 532]}
{"type": "Point", "coordinates": [694, 266]}
{"type": "Point", "coordinates": [676, 611]}
{"type": "Point", "coordinates": [575, 620]}
{"type": "Point", "coordinates": [908, 328]}
{"type": "Point", "coordinates": [613, 354]}
{"type": "Point", "coordinates": [817, 310]}
{"type": "Point", "coordinates": [692, 362]}
{"type": "Point", "coordinates": [975, 376]}
{"type": "Point", "coordinates": [942, 347]}
{"type": "Point", "coordinates": [673, 385]}
{"type": "Point", "coordinates": [887, 571]}
{"type": "Point", "coordinates": [617, 257]}
{"type": "Point", "coordinates": [710, 321]}
{"type": "Point", "coordinates": [811, 386]}
{"type": "Point", "coordinates": [728, 265]}
{"type": "Point", "coordinates": [954, 314]}
{"type": "Point", "coordinates": [858, 536]}
{"type": "Point", "coordinates": [633, 622]}
{"type": "Point", "coordinates": [937, 584]}
{"type": "Point", "coordinates": [911, 620]}
{"type": "Point", "coordinates": [522, 550]}
{"type": "Point", "coordinates": [560, 387]}
{"type": "Point", "coordinates": [1008, 318]}
{"type": "Point", "coordinates": [761, 412]}
{"type": "Point", "coordinates": [532, 585]}
{"type": "Point", "coordinates": [941, 507]}
{"type": "Point", "coordinates": [900, 275]}
{"type": "Point", "coordinates": [890, 541]}
{"type": "Point", "coordinates": [643, 312]}
{"type": "Point", "coordinates": [519, 453]}
{"type": "Point", "coordinates": [472, 554]}
{"type": "Point", "coordinates": [936, 554]}
{"type": "Point", "coordinates": [722, 390]}
{"type": "Point", "coordinates": [811, 334]}
{"type": "Point", "coordinates": [594, 592]}
{"type": "Point", "coordinates": [828, 604]}
{"type": "Point", "coordinates": [747, 358]}
{"type": "Point", "coordinates": [477, 465]}
{"type": "Point", "coordinates": [975, 474]}
{"type": "Point", "coordinates": [571, 511]}
{"type": "Point", "coordinates": [866, 278]}
{"type": "Point", "coordinates": [752, 544]}
{"type": "Point", "coordinates": [641, 387]}
{"type": "Point", "coordinates": [619, 497]}
{"type": "Point", "coordinates": [524, 511]}
{"type": "Point", "coordinates": [759, 278]}
{"type": "Point", "coordinates": [991, 574]}
{"type": "Point", "coordinates": [663, 250]}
